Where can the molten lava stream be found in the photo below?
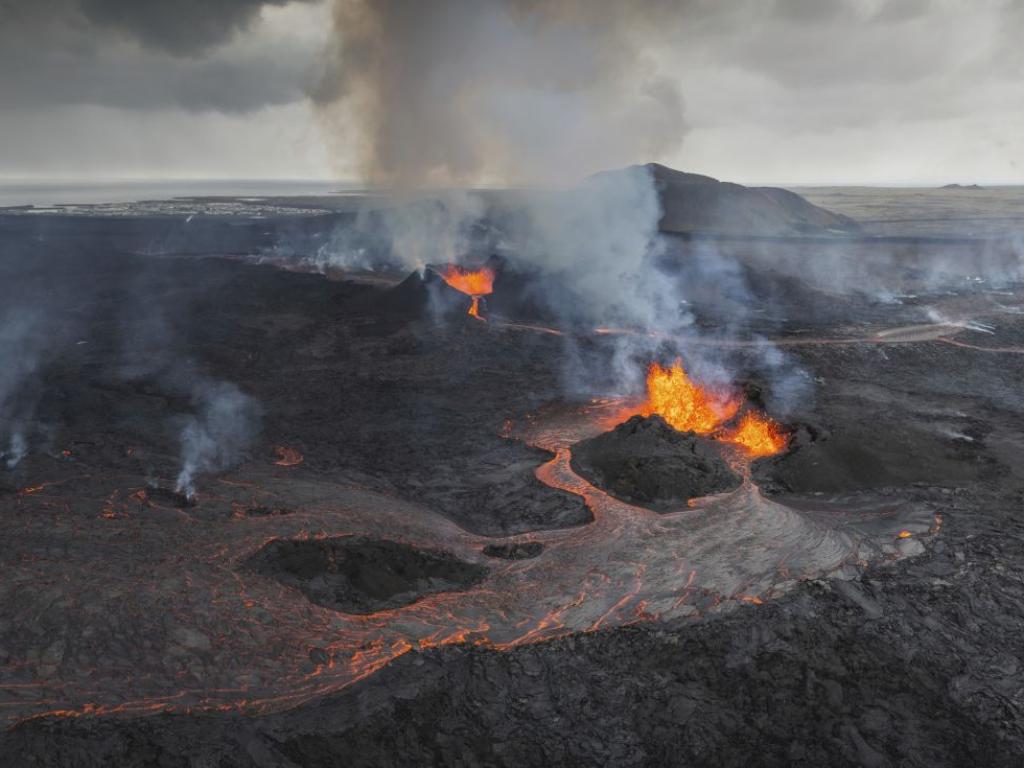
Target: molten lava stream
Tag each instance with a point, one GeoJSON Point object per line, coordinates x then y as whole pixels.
{"type": "Point", "coordinates": [630, 564]}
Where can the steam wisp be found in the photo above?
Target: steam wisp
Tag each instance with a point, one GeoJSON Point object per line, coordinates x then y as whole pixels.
{"type": "Point", "coordinates": [22, 341]}
{"type": "Point", "coordinates": [218, 434]}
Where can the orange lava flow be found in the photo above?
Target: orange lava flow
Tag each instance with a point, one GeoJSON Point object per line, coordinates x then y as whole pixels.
{"type": "Point", "coordinates": [472, 282]}
{"type": "Point", "coordinates": [684, 404]}
{"type": "Point", "coordinates": [758, 435]}
{"type": "Point", "coordinates": [689, 407]}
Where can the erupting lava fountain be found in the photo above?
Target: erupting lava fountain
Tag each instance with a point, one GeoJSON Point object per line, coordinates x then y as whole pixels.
{"type": "Point", "coordinates": [475, 283]}
{"type": "Point", "coordinates": [688, 407]}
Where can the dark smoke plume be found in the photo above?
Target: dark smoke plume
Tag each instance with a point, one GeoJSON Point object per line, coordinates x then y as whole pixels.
{"type": "Point", "coordinates": [521, 91]}
{"type": "Point", "coordinates": [528, 93]}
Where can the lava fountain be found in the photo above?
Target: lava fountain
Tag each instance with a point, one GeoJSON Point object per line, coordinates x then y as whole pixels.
{"type": "Point", "coordinates": [685, 405]}
{"type": "Point", "coordinates": [689, 407]}
{"type": "Point", "coordinates": [475, 283]}
{"type": "Point", "coordinates": [757, 435]}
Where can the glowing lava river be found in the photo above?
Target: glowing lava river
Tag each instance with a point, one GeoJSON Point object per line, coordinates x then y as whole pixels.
{"type": "Point", "coordinates": [201, 629]}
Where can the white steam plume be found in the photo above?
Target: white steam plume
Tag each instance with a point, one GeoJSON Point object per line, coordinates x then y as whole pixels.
{"type": "Point", "coordinates": [218, 434]}
{"type": "Point", "coordinates": [22, 342]}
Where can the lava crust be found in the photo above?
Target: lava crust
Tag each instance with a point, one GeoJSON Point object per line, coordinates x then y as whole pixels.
{"type": "Point", "coordinates": [644, 461]}
{"type": "Point", "coordinates": [523, 551]}
{"type": "Point", "coordinates": [872, 605]}
{"type": "Point", "coordinates": [857, 456]}
{"type": "Point", "coordinates": [167, 496]}
{"type": "Point", "coordinates": [363, 576]}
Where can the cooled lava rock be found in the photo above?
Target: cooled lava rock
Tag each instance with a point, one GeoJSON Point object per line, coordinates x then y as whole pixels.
{"type": "Point", "coordinates": [645, 461]}
{"type": "Point", "coordinates": [522, 551]}
{"type": "Point", "coordinates": [167, 496]}
{"type": "Point", "coordinates": [508, 500]}
{"type": "Point", "coordinates": [356, 575]}
{"type": "Point", "coordinates": [692, 203]}
{"type": "Point", "coordinates": [857, 456]}
{"type": "Point", "coordinates": [267, 511]}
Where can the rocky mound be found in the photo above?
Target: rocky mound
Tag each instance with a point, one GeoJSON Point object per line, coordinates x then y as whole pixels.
{"type": "Point", "coordinates": [414, 295]}
{"type": "Point", "coordinates": [857, 456]}
{"type": "Point", "coordinates": [425, 290]}
{"type": "Point", "coordinates": [644, 461]}
{"type": "Point", "coordinates": [697, 204]}
{"type": "Point", "coordinates": [362, 576]}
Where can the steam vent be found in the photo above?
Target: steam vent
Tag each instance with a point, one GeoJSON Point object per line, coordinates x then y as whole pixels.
{"type": "Point", "coordinates": [511, 445]}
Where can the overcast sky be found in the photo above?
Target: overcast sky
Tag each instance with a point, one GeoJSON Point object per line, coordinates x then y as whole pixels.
{"type": "Point", "coordinates": [773, 91]}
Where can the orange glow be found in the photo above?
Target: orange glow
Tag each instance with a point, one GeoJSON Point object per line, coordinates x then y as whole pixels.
{"type": "Point", "coordinates": [689, 407]}
{"type": "Point", "coordinates": [472, 282]}
{"type": "Point", "coordinates": [287, 457]}
{"type": "Point", "coordinates": [905, 534]}
{"type": "Point", "coordinates": [758, 435]}
{"type": "Point", "coordinates": [683, 404]}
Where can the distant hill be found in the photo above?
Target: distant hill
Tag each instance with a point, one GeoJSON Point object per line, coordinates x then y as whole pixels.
{"type": "Point", "coordinates": [692, 203]}
{"type": "Point", "coordinates": [968, 187]}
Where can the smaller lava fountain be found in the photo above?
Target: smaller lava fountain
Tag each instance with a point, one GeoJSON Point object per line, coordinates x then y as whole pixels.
{"type": "Point", "coordinates": [758, 435]}
{"type": "Point", "coordinates": [689, 407]}
{"type": "Point", "coordinates": [475, 283]}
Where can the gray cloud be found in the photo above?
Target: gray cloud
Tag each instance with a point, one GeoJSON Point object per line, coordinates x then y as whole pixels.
{"type": "Point", "coordinates": [181, 27]}
{"type": "Point", "coordinates": [775, 90]}
{"type": "Point", "coordinates": [808, 44]}
{"type": "Point", "coordinates": [148, 55]}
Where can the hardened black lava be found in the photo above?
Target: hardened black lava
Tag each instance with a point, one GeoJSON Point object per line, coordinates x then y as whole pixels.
{"type": "Point", "coordinates": [115, 648]}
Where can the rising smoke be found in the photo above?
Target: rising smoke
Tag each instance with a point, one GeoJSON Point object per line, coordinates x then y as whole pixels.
{"type": "Point", "coordinates": [503, 91]}
{"type": "Point", "coordinates": [513, 92]}
{"type": "Point", "coordinates": [535, 95]}
{"type": "Point", "coordinates": [23, 339]}
{"type": "Point", "coordinates": [219, 423]}
{"type": "Point", "coordinates": [217, 435]}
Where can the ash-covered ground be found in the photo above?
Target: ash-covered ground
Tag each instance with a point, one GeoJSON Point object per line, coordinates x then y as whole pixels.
{"type": "Point", "coordinates": [374, 572]}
